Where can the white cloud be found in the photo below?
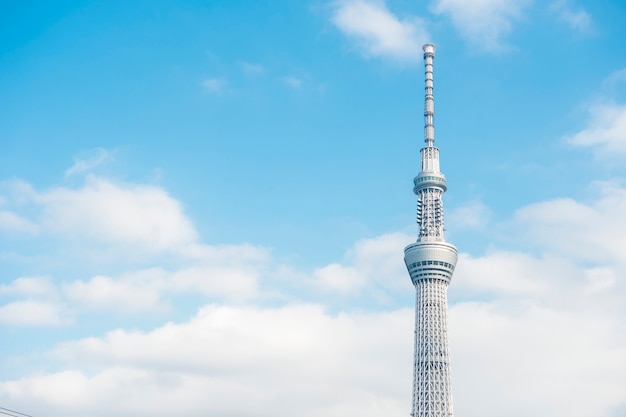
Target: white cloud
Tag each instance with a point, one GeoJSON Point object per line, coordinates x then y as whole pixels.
{"type": "Point", "coordinates": [373, 265]}
{"type": "Point", "coordinates": [138, 291]}
{"type": "Point", "coordinates": [474, 215]}
{"type": "Point", "coordinates": [340, 278]}
{"type": "Point", "coordinates": [378, 32]}
{"type": "Point", "coordinates": [591, 232]}
{"type": "Point", "coordinates": [226, 254]}
{"type": "Point", "coordinates": [32, 313]}
{"type": "Point", "coordinates": [380, 261]}
{"type": "Point", "coordinates": [601, 279]}
{"type": "Point", "coordinates": [152, 289]}
{"type": "Point", "coordinates": [30, 286]}
{"type": "Point", "coordinates": [544, 321]}
{"type": "Point", "coordinates": [226, 273]}
{"type": "Point", "coordinates": [214, 85]}
{"type": "Point", "coordinates": [276, 358]}
{"type": "Point", "coordinates": [577, 19]}
{"type": "Point", "coordinates": [13, 222]}
{"type": "Point", "coordinates": [231, 272]}
{"type": "Point", "coordinates": [484, 24]}
{"type": "Point", "coordinates": [94, 159]}
{"type": "Point", "coordinates": [606, 130]}
{"type": "Point", "coordinates": [293, 82]}
{"type": "Point", "coordinates": [143, 218]}
{"type": "Point", "coordinates": [33, 301]}
{"type": "Point", "coordinates": [545, 360]}
{"type": "Point", "coordinates": [138, 216]}
{"type": "Point", "coordinates": [232, 283]}
{"type": "Point", "coordinates": [16, 191]}
{"type": "Point", "coordinates": [483, 275]}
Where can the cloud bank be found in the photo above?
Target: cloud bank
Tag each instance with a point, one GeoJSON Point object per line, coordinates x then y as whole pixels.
{"type": "Point", "coordinates": [520, 323]}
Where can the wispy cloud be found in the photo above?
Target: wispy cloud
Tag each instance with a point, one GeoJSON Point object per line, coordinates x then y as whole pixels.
{"type": "Point", "coordinates": [292, 82]}
{"type": "Point", "coordinates": [378, 32]}
{"type": "Point", "coordinates": [474, 215]}
{"type": "Point", "coordinates": [92, 160]}
{"type": "Point", "coordinates": [214, 85]}
{"type": "Point", "coordinates": [252, 68]}
{"type": "Point", "coordinates": [577, 19]}
{"type": "Point", "coordinates": [605, 131]}
{"type": "Point", "coordinates": [614, 83]}
{"type": "Point", "coordinates": [484, 24]}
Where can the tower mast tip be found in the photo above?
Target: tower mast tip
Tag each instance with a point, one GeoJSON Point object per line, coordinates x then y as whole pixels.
{"type": "Point", "coordinates": [429, 48]}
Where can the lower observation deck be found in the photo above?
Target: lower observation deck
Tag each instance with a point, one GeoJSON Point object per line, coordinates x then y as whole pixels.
{"type": "Point", "coordinates": [430, 260]}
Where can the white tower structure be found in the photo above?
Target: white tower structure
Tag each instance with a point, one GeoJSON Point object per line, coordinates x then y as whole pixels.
{"type": "Point", "coordinates": [430, 262]}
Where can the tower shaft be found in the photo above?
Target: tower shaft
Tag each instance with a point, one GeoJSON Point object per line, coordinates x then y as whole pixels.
{"type": "Point", "coordinates": [430, 262]}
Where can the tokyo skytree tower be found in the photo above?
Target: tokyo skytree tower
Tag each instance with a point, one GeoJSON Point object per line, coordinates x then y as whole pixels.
{"type": "Point", "coordinates": [430, 262]}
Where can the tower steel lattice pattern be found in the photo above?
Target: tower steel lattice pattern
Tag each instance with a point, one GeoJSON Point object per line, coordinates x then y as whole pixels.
{"type": "Point", "coordinates": [430, 262]}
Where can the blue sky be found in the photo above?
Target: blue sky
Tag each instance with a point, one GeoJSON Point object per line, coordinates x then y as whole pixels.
{"type": "Point", "coordinates": [203, 205]}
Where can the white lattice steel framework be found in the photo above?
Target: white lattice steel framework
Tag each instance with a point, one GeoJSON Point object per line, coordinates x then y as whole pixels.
{"type": "Point", "coordinates": [430, 262]}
